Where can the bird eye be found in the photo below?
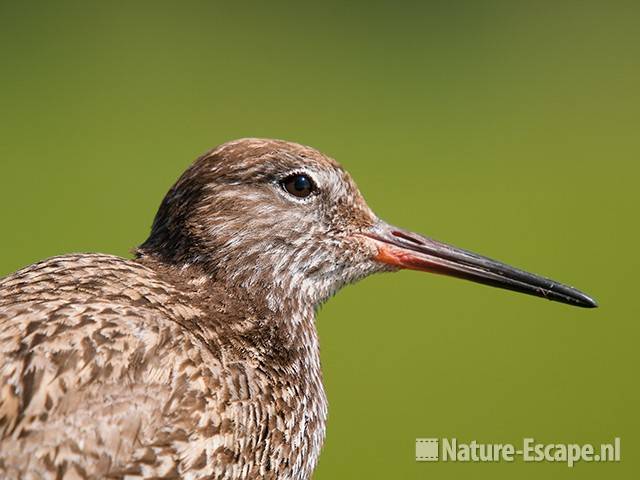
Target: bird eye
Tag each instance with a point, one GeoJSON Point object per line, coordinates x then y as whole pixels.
{"type": "Point", "coordinates": [299, 185]}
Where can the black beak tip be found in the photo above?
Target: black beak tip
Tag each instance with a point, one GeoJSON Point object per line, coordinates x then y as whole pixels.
{"type": "Point", "coordinates": [577, 298]}
{"type": "Point", "coordinates": [572, 296]}
{"type": "Point", "coordinates": [587, 302]}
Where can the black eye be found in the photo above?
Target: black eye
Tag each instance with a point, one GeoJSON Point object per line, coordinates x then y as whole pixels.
{"type": "Point", "coordinates": [299, 185]}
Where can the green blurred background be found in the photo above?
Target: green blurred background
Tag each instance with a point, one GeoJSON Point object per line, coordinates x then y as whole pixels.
{"type": "Point", "coordinates": [509, 128]}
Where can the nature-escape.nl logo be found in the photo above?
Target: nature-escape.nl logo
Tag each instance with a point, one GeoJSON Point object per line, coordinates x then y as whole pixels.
{"type": "Point", "coordinates": [451, 450]}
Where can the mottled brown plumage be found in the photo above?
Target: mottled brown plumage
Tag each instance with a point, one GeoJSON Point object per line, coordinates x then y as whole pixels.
{"type": "Point", "coordinates": [199, 358]}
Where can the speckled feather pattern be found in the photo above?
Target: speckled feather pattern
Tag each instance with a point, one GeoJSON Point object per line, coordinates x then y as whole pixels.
{"type": "Point", "coordinates": [199, 358]}
{"type": "Point", "coordinates": [109, 370]}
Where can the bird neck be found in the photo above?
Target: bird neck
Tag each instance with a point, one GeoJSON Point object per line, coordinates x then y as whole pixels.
{"type": "Point", "coordinates": [272, 320]}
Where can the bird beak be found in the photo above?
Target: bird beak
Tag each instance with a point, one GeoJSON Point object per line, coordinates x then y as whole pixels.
{"type": "Point", "coordinates": [409, 250]}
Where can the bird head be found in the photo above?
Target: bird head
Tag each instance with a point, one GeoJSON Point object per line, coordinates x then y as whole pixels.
{"type": "Point", "coordinates": [284, 219]}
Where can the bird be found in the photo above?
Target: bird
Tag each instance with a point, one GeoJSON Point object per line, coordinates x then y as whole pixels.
{"type": "Point", "coordinates": [199, 357]}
